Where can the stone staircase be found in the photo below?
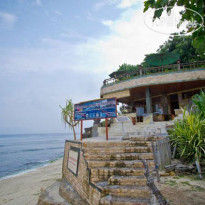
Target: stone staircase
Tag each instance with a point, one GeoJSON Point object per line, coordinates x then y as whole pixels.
{"type": "Point", "coordinates": [116, 169]}
{"type": "Point", "coordinates": [110, 173]}
{"type": "Point", "coordinates": [140, 128]}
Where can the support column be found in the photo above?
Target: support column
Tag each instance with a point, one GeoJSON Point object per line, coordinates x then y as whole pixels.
{"type": "Point", "coordinates": [164, 101]}
{"type": "Point", "coordinates": [148, 100]}
{"type": "Point", "coordinates": [180, 99]}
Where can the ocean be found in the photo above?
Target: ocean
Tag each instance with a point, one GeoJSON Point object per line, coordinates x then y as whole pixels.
{"type": "Point", "coordinates": [24, 153]}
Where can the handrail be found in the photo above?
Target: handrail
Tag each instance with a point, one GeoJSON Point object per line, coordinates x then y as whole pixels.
{"type": "Point", "coordinates": [153, 70]}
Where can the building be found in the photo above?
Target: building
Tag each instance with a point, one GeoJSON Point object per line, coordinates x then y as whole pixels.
{"type": "Point", "coordinates": [159, 90]}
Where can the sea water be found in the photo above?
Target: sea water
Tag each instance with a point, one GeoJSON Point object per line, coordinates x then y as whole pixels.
{"type": "Point", "coordinates": [23, 153]}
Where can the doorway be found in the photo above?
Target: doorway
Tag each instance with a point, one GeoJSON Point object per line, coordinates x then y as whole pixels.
{"type": "Point", "coordinates": [174, 103]}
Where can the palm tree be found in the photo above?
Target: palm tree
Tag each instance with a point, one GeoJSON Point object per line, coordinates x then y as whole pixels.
{"type": "Point", "coordinates": [67, 115]}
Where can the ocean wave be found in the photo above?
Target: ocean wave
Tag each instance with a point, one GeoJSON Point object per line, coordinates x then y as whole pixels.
{"type": "Point", "coordinates": [33, 166]}
{"type": "Point", "coordinates": [31, 150]}
{"type": "Point", "coordinates": [36, 163]}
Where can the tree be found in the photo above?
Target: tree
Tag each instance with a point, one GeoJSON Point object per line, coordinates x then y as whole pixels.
{"type": "Point", "coordinates": [198, 36]}
{"type": "Point", "coordinates": [127, 67]}
{"type": "Point", "coordinates": [67, 114]}
{"type": "Point", "coordinates": [181, 45]}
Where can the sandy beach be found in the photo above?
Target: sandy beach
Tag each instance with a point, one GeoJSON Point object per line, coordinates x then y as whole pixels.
{"type": "Point", "coordinates": [25, 189]}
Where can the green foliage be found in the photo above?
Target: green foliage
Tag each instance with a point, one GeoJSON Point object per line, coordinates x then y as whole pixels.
{"type": "Point", "coordinates": [67, 114]}
{"type": "Point", "coordinates": [183, 46]}
{"type": "Point", "coordinates": [187, 15]}
{"type": "Point", "coordinates": [188, 135]}
{"type": "Point", "coordinates": [199, 102]}
{"type": "Point", "coordinates": [127, 67]}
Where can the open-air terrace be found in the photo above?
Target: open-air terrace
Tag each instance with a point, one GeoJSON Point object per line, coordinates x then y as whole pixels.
{"type": "Point", "coordinates": [154, 70]}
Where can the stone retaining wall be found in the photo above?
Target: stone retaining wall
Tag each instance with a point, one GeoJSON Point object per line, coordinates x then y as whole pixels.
{"type": "Point", "coordinates": [81, 183]}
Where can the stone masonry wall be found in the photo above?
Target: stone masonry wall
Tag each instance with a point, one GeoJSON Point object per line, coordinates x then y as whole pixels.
{"type": "Point", "coordinates": [81, 183]}
{"type": "Point", "coordinates": [180, 76]}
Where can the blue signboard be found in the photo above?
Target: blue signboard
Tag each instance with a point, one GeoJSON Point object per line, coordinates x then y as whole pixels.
{"type": "Point", "coordinates": [97, 109]}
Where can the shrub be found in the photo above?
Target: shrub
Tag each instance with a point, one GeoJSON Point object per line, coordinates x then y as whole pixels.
{"type": "Point", "coordinates": [188, 135]}
{"type": "Point", "coordinates": [199, 102]}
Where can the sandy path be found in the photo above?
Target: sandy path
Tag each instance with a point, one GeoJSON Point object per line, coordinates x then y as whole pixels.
{"type": "Point", "coordinates": [24, 189]}
{"type": "Point", "coordinates": [183, 190]}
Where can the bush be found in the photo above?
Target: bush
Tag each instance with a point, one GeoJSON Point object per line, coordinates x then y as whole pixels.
{"type": "Point", "coordinates": [199, 103]}
{"type": "Point", "coordinates": [188, 135]}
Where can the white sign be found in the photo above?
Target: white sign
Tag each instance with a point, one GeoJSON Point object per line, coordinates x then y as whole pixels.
{"type": "Point", "coordinates": [73, 161]}
{"type": "Point", "coordinates": [122, 119]}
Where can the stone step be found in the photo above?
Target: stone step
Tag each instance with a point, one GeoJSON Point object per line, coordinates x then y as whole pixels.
{"type": "Point", "coordinates": [118, 163]}
{"type": "Point", "coordinates": [126, 191]}
{"type": "Point", "coordinates": [116, 143]}
{"type": "Point", "coordinates": [104, 173]}
{"type": "Point", "coordinates": [130, 180]}
{"type": "Point", "coordinates": [119, 156]}
{"type": "Point", "coordinates": [117, 149]}
{"type": "Point", "coordinates": [108, 200]}
{"type": "Point", "coordinates": [142, 138]}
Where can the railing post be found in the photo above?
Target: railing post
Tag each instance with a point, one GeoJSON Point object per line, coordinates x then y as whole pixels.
{"type": "Point", "coordinates": [178, 65]}
{"type": "Point", "coordinates": [140, 68]}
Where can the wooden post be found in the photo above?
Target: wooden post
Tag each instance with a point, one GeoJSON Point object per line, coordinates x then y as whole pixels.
{"type": "Point", "coordinates": [81, 130]}
{"type": "Point", "coordinates": [155, 162]}
{"type": "Point", "coordinates": [106, 125]}
{"type": "Point", "coordinates": [198, 169]}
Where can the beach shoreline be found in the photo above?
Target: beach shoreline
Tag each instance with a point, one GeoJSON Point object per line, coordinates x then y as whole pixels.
{"type": "Point", "coordinates": [24, 188]}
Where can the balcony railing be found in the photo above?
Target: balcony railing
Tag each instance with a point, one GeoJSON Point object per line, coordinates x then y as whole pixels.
{"type": "Point", "coordinates": [153, 70]}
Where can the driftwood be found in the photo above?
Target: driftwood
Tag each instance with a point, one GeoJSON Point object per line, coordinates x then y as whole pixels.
{"type": "Point", "coordinates": [152, 186]}
{"type": "Point", "coordinates": [170, 167]}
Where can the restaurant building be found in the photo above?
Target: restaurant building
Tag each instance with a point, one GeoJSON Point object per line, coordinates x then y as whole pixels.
{"type": "Point", "coordinates": [158, 90]}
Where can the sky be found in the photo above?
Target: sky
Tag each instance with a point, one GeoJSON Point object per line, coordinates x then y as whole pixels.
{"type": "Point", "coordinates": [53, 50]}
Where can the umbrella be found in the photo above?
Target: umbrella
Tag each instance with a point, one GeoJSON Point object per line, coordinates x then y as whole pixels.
{"type": "Point", "coordinates": [162, 59]}
{"type": "Point", "coordinates": [116, 73]}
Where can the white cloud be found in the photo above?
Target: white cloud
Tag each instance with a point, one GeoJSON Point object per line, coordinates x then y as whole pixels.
{"type": "Point", "coordinates": [129, 40]}
{"type": "Point", "coordinates": [38, 2]}
{"type": "Point", "coordinates": [99, 5]}
{"type": "Point", "coordinates": [107, 22]}
{"type": "Point", "coordinates": [127, 3]}
{"type": "Point", "coordinates": [7, 19]}
{"type": "Point", "coordinates": [58, 13]}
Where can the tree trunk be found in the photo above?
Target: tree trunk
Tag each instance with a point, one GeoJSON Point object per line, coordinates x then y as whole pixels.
{"type": "Point", "coordinates": [74, 133]}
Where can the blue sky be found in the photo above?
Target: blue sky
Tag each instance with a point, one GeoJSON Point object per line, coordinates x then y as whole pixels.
{"type": "Point", "coordinates": [53, 50]}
